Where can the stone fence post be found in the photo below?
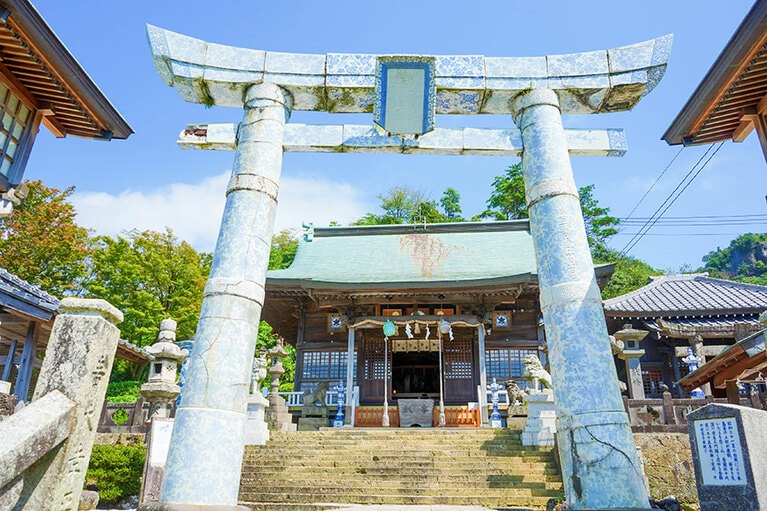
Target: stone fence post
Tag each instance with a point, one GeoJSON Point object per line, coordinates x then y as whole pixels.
{"type": "Point", "coordinates": [77, 363]}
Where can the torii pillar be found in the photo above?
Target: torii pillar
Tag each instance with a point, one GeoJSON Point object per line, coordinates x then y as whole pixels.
{"type": "Point", "coordinates": [205, 457]}
{"type": "Point", "coordinates": [599, 463]}
{"type": "Point", "coordinates": [596, 447]}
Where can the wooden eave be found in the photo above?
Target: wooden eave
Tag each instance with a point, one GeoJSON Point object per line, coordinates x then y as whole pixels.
{"type": "Point", "coordinates": [732, 364]}
{"type": "Point", "coordinates": [732, 92]}
{"type": "Point", "coordinates": [38, 67]}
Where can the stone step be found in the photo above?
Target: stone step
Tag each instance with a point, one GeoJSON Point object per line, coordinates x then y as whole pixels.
{"type": "Point", "coordinates": [415, 479]}
{"type": "Point", "coordinates": [416, 486]}
{"type": "Point", "coordinates": [409, 466]}
{"type": "Point", "coordinates": [329, 506]}
{"type": "Point", "coordinates": [399, 454]}
{"type": "Point", "coordinates": [400, 434]}
{"type": "Point", "coordinates": [362, 496]}
{"type": "Point", "coordinates": [452, 474]}
{"type": "Point", "coordinates": [456, 466]}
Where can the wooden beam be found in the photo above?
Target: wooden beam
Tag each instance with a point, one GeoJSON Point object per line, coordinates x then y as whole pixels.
{"type": "Point", "coordinates": [744, 129]}
{"type": "Point", "coordinates": [734, 370]}
{"type": "Point", "coordinates": [733, 394]}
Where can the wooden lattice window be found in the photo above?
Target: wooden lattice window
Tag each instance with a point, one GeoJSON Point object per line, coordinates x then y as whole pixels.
{"type": "Point", "coordinates": [651, 380]}
{"type": "Point", "coordinates": [15, 117]}
{"type": "Point", "coordinates": [374, 359]}
{"type": "Point", "coordinates": [456, 355]}
{"type": "Point", "coordinates": [506, 364]}
{"type": "Point", "coordinates": [329, 366]}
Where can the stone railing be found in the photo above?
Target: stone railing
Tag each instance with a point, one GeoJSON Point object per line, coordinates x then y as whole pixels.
{"type": "Point", "coordinates": [668, 414]}
{"type": "Point", "coordinates": [124, 417]}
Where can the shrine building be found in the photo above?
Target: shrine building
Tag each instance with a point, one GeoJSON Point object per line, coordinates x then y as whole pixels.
{"type": "Point", "coordinates": [346, 282]}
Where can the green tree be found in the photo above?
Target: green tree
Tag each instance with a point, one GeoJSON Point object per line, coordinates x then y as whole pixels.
{"type": "Point", "coordinates": [283, 251]}
{"type": "Point", "coordinates": [150, 276]}
{"type": "Point", "coordinates": [507, 200]}
{"type": "Point", "coordinates": [402, 205]}
{"type": "Point", "coordinates": [599, 224]}
{"type": "Point", "coordinates": [42, 243]}
{"type": "Point", "coordinates": [744, 260]}
{"type": "Point", "coordinates": [630, 273]}
{"type": "Point", "coordinates": [451, 205]}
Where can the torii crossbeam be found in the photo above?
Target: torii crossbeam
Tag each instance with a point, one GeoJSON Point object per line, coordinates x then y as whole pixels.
{"type": "Point", "coordinates": [599, 463]}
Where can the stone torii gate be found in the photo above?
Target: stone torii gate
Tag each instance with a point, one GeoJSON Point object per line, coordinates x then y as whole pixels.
{"type": "Point", "coordinates": [597, 454]}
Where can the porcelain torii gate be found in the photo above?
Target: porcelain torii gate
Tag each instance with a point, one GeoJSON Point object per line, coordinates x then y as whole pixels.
{"type": "Point", "coordinates": [597, 454]}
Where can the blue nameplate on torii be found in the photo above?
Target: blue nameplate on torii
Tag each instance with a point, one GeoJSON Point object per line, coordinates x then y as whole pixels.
{"type": "Point", "coordinates": [405, 94]}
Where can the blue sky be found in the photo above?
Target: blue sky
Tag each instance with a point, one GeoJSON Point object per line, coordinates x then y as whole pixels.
{"type": "Point", "coordinates": [148, 182]}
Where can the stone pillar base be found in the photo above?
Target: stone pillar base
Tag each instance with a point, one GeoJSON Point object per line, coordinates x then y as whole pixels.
{"type": "Point", "coordinates": [161, 506]}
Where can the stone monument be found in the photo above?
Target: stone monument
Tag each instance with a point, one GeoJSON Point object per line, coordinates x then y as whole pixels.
{"type": "Point", "coordinates": [599, 463]}
{"type": "Point", "coordinates": [730, 457]}
{"type": "Point", "coordinates": [73, 377]}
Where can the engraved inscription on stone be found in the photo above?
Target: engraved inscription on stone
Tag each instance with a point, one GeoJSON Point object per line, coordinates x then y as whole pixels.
{"type": "Point", "coordinates": [720, 453]}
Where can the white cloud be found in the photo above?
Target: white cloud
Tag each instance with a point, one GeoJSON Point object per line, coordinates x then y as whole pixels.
{"type": "Point", "coordinates": [194, 211]}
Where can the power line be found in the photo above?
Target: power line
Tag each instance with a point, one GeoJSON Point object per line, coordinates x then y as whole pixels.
{"type": "Point", "coordinates": [654, 183]}
{"type": "Point", "coordinates": [673, 196]}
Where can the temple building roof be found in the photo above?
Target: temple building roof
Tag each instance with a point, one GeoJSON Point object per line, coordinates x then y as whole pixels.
{"type": "Point", "coordinates": [689, 295]}
{"type": "Point", "coordinates": [449, 255]}
{"type": "Point", "coordinates": [412, 256]}
{"type": "Point", "coordinates": [733, 93]}
{"type": "Point", "coordinates": [743, 361]}
{"type": "Point", "coordinates": [42, 71]}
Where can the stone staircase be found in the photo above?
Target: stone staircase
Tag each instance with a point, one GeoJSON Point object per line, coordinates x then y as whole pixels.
{"type": "Point", "coordinates": [429, 466]}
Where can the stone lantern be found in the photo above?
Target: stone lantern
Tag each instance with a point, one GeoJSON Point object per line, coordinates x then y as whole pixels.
{"type": "Point", "coordinates": [277, 415]}
{"type": "Point", "coordinates": [161, 388]}
{"type": "Point", "coordinates": [630, 337]}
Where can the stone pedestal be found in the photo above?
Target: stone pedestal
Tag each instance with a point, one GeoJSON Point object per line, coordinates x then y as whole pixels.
{"type": "Point", "coordinates": [278, 418]}
{"type": "Point", "coordinates": [312, 423]}
{"type": "Point", "coordinates": [633, 372]}
{"type": "Point", "coordinates": [256, 430]}
{"type": "Point", "coordinates": [541, 424]}
{"type": "Point", "coordinates": [157, 445]}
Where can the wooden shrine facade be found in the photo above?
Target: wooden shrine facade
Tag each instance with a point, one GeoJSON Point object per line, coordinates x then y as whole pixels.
{"type": "Point", "coordinates": [347, 281]}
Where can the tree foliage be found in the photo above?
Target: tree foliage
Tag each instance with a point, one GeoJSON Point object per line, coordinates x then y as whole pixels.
{"type": "Point", "coordinates": [451, 205]}
{"type": "Point", "coordinates": [630, 273]}
{"type": "Point", "coordinates": [507, 200]}
{"type": "Point", "coordinates": [599, 224]}
{"type": "Point", "coordinates": [149, 276]}
{"type": "Point", "coordinates": [404, 205]}
{"type": "Point", "coordinates": [744, 260]}
{"type": "Point", "coordinates": [42, 244]}
{"type": "Point", "coordinates": [283, 251]}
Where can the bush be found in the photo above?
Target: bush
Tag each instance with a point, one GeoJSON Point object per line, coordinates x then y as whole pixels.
{"type": "Point", "coordinates": [116, 471]}
{"type": "Point", "coordinates": [123, 391]}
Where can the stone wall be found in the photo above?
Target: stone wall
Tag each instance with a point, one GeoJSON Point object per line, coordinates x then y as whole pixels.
{"type": "Point", "coordinates": [668, 465]}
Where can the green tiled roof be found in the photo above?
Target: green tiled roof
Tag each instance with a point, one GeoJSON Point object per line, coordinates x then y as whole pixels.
{"type": "Point", "coordinates": [451, 255]}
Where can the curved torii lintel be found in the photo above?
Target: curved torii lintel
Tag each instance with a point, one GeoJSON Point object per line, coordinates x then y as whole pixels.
{"type": "Point", "coordinates": [586, 83]}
